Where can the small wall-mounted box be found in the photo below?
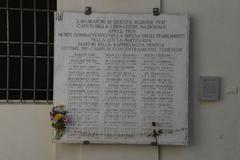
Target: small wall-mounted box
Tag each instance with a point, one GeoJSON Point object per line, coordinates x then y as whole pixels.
{"type": "Point", "coordinates": [209, 88]}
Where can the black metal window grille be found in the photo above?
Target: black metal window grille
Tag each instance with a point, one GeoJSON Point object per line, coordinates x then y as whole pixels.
{"type": "Point", "coordinates": [26, 51]}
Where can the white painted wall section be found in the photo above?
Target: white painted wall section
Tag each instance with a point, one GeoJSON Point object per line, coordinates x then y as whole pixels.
{"type": "Point", "coordinates": [111, 6]}
{"type": "Point", "coordinates": [25, 133]}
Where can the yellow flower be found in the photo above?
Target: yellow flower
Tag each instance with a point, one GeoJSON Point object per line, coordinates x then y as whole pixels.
{"type": "Point", "coordinates": [58, 116]}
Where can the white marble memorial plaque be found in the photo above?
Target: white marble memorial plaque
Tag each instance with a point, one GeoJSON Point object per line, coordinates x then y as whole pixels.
{"type": "Point", "coordinates": [118, 73]}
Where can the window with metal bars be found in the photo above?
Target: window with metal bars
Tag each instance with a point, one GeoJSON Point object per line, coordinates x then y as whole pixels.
{"type": "Point", "coordinates": [26, 51]}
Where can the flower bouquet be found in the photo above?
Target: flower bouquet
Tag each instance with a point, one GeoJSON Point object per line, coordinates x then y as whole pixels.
{"type": "Point", "coordinates": [58, 117]}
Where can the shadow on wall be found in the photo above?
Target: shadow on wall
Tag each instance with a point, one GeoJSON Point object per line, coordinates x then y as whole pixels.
{"type": "Point", "coordinates": [192, 81]}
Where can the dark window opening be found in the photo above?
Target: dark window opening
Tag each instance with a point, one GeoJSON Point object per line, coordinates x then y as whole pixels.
{"type": "Point", "coordinates": [26, 51]}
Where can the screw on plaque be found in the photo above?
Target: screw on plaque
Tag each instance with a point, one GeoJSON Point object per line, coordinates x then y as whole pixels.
{"type": "Point", "coordinates": [156, 11]}
{"type": "Point", "coordinates": [88, 10]}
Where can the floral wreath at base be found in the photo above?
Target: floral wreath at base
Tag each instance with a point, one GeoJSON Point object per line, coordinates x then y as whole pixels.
{"type": "Point", "coordinates": [58, 116]}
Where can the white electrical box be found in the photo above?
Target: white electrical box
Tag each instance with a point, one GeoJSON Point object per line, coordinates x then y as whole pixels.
{"type": "Point", "coordinates": [209, 88]}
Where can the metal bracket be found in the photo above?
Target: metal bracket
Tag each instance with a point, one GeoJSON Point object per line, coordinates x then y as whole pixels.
{"type": "Point", "coordinates": [86, 142]}
{"type": "Point", "coordinates": [88, 10]}
{"type": "Point", "coordinates": [156, 11]}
